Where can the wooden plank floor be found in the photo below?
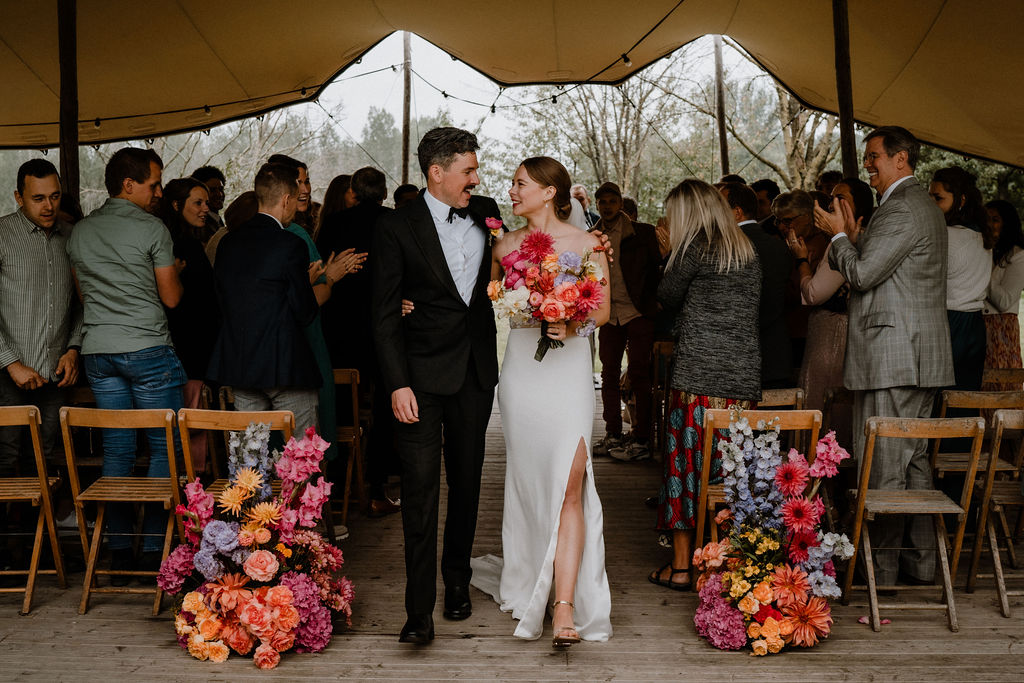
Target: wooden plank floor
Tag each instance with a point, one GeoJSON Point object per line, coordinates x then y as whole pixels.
{"type": "Point", "coordinates": [654, 635]}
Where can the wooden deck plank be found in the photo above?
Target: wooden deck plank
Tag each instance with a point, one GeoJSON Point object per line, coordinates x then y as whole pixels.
{"type": "Point", "coordinates": [654, 635]}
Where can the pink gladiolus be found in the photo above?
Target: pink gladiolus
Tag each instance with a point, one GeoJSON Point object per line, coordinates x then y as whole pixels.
{"type": "Point", "coordinates": [828, 455]}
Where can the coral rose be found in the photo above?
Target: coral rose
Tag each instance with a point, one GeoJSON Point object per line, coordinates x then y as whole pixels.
{"type": "Point", "coordinates": [759, 647]}
{"type": "Point", "coordinates": [262, 536]}
{"type": "Point", "coordinates": [716, 553]}
{"type": "Point", "coordinates": [288, 618]}
{"type": "Point", "coordinates": [279, 596]}
{"type": "Point", "coordinates": [266, 657]}
{"type": "Point", "coordinates": [257, 617]}
{"type": "Point", "coordinates": [262, 565]}
{"type": "Point", "coordinates": [763, 592]}
{"type": "Point", "coordinates": [238, 638]}
{"type": "Point", "coordinates": [552, 310]}
{"type": "Point", "coordinates": [245, 538]}
{"type": "Point", "coordinates": [282, 640]}
{"type": "Point", "coordinates": [209, 628]}
{"type": "Point", "coordinates": [749, 604]}
{"type": "Point", "coordinates": [217, 651]}
{"type": "Point", "coordinates": [567, 293]}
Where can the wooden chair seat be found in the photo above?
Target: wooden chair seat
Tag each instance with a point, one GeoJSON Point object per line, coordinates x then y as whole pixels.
{"type": "Point", "coordinates": [38, 491]}
{"type": "Point", "coordinates": [959, 462]}
{"type": "Point", "coordinates": [908, 502]}
{"type": "Point", "coordinates": [163, 490]}
{"type": "Point", "coordinates": [1006, 493]}
{"type": "Point", "coordinates": [25, 489]}
{"type": "Point", "coordinates": [129, 490]}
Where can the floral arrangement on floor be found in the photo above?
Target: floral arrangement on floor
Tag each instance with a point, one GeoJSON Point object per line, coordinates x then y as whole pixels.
{"type": "Point", "coordinates": [542, 285]}
{"type": "Point", "coordinates": [253, 576]}
{"type": "Point", "coordinates": [766, 585]}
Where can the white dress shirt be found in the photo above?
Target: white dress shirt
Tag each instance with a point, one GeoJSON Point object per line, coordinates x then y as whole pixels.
{"type": "Point", "coordinates": [462, 242]}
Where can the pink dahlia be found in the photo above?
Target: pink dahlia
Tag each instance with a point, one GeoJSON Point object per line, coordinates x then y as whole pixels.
{"type": "Point", "coordinates": [799, 514]}
{"type": "Point", "coordinates": [799, 544]}
{"type": "Point", "coordinates": [791, 478]}
{"type": "Point", "coordinates": [536, 246]}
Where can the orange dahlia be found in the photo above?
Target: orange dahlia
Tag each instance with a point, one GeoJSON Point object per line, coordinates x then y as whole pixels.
{"type": "Point", "coordinates": [265, 514]}
{"type": "Point", "coordinates": [231, 499]}
{"type": "Point", "coordinates": [228, 592]}
{"type": "Point", "coordinates": [810, 621]}
{"type": "Point", "coordinates": [789, 585]}
{"type": "Point", "coordinates": [248, 479]}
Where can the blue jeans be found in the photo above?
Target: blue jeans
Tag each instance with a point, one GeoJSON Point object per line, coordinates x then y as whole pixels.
{"type": "Point", "coordinates": [150, 378]}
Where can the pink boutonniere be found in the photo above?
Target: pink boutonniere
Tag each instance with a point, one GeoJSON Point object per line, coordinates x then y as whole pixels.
{"type": "Point", "coordinates": [494, 227]}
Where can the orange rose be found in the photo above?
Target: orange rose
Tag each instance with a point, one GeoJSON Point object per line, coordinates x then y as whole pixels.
{"type": "Point", "coordinates": [754, 630]}
{"type": "Point", "coordinates": [288, 618]}
{"type": "Point", "coordinates": [238, 638]}
{"type": "Point", "coordinates": [198, 648]}
{"type": "Point", "coordinates": [262, 565]}
{"type": "Point", "coordinates": [785, 628]}
{"type": "Point", "coordinates": [266, 657]}
{"type": "Point", "coordinates": [552, 310]}
{"type": "Point", "coordinates": [774, 644]}
{"type": "Point", "coordinates": [256, 617]}
{"type": "Point", "coordinates": [282, 640]}
{"type": "Point", "coordinates": [550, 263]}
{"type": "Point", "coordinates": [763, 592]}
{"type": "Point", "coordinates": [181, 626]}
{"type": "Point", "coordinates": [770, 628]}
{"type": "Point", "coordinates": [209, 628]}
{"type": "Point", "coordinates": [193, 602]}
{"type": "Point", "coordinates": [760, 648]}
{"type": "Point", "coordinates": [279, 596]}
{"type": "Point", "coordinates": [749, 604]}
{"type": "Point", "coordinates": [262, 536]}
{"type": "Point", "coordinates": [218, 651]}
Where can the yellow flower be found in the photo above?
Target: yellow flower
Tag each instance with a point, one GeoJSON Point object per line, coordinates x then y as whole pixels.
{"type": "Point", "coordinates": [749, 570]}
{"type": "Point", "coordinates": [739, 588]}
{"type": "Point", "coordinates": [265, 514]}
{"type": "Point", "coordinates": [284, 550]}
{"type": "Point", "coordinates": [248, 479]}
{"type": "Point", "coordinates": [760, 648]}
{"type": "Point", "coordinates": [231, 499]}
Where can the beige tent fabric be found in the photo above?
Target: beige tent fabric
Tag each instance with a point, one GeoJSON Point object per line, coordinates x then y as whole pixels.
{"type": "Point", "coordinates": [946, 69]}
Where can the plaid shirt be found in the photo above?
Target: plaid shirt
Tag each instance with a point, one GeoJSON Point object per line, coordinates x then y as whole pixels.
{"type": "Point", "coordinates": [40, 315]}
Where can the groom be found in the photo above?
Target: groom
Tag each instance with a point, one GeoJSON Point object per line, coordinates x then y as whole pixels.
{"type": "Point", "coordinates": [440, 365]}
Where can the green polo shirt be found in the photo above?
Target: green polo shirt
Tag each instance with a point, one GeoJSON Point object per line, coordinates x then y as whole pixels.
{"type": "Point", "coordinates": [113, 252]}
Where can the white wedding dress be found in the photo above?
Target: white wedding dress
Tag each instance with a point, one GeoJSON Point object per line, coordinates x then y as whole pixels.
{"type": "Point", "coordinates": [546, 407]}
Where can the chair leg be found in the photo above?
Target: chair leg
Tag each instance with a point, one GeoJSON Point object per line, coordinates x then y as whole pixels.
{"type": "Point", "coordinates": [997, 567]}
{"type": "Point", "coordinates": [348, 485]}
{"type": "Point", "coordinates": [90, 564]}
{"type": "Point", "coordinates": [979, 542]}
{"type": "Point", "coordinates": [364, 498]}
{"type": "Point", "coordinates": [33, 565]}
{"type": "Point", "coordinates": [947, 581]}
{"type": "Point", "coordinates": [1010, 552]}
{"type": "Point", "coordinates": [869, 570]}
{"type": "Point", "coordinates": [58, 557]}
{"type": "Point", "coordinates": [168, 535]}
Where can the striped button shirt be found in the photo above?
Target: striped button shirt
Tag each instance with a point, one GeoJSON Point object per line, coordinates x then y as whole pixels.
{"type": "Point", "coordinates": [40, 315]}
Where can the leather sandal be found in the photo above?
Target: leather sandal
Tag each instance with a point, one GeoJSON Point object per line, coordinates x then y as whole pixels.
{"type": "Point", "coordinates": [564, 636]}
{"type": "Point", "coordinates": [655, 578]}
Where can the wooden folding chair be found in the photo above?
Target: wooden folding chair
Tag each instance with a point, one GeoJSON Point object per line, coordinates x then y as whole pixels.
{"type": "Point", "coordinates": [712, 496]}
{"type": "Point", "coordinates": [120, 490]}
{"type": "Point", "coordinates": [1004, 377]}
{"type": "Point", "coordinates": [192, 419]}
{"type": "Point", "coordinates": [38, 491]}
{"type": "Point", "coordinates": [996, 498]}
{"type": "Point", "coordinates": [874, 502]}
{"type": "Point", "coordinates": [661, 387]}
{"type": "Point", "coordinates": [351, 435]}
{"type": "Point", "coordinates": [782, 398]}
{"type": "Point", "coordinates": [947, 463]}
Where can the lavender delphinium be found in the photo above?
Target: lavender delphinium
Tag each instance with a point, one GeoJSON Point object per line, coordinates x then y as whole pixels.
{"type": "Point", "coordinates": [251, 449]}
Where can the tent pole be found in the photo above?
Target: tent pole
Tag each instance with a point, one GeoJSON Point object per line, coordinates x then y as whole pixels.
{"type": "Point", "coordinates": [67, 41]}
{"type": "Point", "coordinates": [407, 88]}
{"type": "Point", "coordinates": [723, 143]}
{"type": "Point", "coordinates": [844, 87]}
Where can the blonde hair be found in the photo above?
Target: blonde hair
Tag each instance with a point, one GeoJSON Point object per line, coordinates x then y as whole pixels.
{"type": "Point", "coordinates": [693, 209]}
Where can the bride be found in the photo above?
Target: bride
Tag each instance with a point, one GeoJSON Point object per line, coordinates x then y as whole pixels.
{"type": "Point", "coordinates": [552, 529]}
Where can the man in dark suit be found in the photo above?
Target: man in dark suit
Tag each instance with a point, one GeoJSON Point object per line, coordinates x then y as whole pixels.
{"type": "Point", "coordinates": [264, 291]}
{"type": "Point", "coordinates": [776, 266]}
{"type": "Point", "coordinates": [439, 364]}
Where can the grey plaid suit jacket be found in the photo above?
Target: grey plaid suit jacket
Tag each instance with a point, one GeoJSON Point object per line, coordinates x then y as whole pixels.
{"type": "Point", "coordinates": [899, 332]}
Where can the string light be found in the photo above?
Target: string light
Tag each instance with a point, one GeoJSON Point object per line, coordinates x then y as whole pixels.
{"type": "Point", "coordinates": [626, 60]}
{"type": "Point", "coordinates": [96, 124]}
{"type": "Point", "coordinates": [207, 110]}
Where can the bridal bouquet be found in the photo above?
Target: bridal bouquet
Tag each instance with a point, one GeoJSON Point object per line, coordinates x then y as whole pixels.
{"type": "Point", "coordinates": [542, 285]}
{"type": "Point", "coordinates": [253, 576]}
{"type": "Point", "coordinates": [767, 584]}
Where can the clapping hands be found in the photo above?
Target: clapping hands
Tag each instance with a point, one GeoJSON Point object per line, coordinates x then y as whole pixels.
{"type": "Point", "coordinates": [839, 219]}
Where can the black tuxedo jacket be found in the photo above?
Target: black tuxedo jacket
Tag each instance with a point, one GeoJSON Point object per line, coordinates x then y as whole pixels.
{"type": "Point", "coordinates": [431, 349]}
{"type": "Point", "coordinates": [266, 301]}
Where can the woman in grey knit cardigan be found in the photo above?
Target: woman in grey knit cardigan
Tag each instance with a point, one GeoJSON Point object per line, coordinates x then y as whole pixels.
{"type": "Point", "coordinates": [712, 283]}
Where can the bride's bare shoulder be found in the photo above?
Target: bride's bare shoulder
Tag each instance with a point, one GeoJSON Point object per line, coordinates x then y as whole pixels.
{"type": "Point", "coordinates": [574, 238]}
{"type": "Point", "coordinates": [508, 242]}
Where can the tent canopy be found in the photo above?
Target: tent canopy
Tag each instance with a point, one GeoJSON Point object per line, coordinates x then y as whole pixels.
{"type": "Point", "coordinates": [945, 69]}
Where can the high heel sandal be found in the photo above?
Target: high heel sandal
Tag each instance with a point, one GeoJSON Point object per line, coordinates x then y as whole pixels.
{"type": "Point", "coordinates": [560, 638]}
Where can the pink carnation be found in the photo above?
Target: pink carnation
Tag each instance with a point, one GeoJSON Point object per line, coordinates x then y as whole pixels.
{"type": "Point", "coordinates": [828, 455]}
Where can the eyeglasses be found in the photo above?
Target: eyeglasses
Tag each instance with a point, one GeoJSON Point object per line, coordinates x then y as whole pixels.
{"type": "Point", "coordinates": [788, 220]}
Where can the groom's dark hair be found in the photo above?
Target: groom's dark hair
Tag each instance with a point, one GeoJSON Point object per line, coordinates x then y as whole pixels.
{"type": "Point", "coordinates": [440, 145]}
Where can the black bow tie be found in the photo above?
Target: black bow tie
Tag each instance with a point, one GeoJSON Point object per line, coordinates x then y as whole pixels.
{"type": "Point", "coordinates": [461, 213]}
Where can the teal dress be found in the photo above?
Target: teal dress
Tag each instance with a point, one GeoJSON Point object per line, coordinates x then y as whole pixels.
{"type": "Point", "coordinates": [315, 335]}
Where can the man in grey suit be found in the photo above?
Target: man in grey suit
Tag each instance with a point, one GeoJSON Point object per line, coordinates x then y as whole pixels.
{"type": "Point", "coordinates": [898, 349]}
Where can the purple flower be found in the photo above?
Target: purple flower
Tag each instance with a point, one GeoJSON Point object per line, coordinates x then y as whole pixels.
{"type": "Point", "coordinates": [564, 278]}
{"type": "Point", "coordinates": [315, 627]}
{"type": "Point", "coordinates": [208, 565]}
{"type": "Point", "coordinates": [220, 536]}
{"type": "Point", "coordinates": [176, 568]}
{"type": "Point", "coordinates": [569, 260]}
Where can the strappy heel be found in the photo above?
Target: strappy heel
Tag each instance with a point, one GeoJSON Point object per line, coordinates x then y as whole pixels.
{"type": "Point", "coordinates": [564, 635]}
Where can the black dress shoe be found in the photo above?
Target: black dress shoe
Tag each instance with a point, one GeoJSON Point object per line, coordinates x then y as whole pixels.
{"type": "Point", "coordinates": [456, 603]}
{"type": "Point", "coordinates": [418, 630]}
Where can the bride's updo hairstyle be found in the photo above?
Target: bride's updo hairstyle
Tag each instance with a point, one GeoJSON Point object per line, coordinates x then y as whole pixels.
{"type": "Point", "coordinates": [548, 172]}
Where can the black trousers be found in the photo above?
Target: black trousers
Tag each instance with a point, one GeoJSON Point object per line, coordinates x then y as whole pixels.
{"type": "Point", "coordinates": [461, 419]}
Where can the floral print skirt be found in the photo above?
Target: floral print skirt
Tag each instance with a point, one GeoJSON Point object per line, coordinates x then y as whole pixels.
{"type": "Point", "coordinates": [1002, 347]}
{"type": "Point", "coordinates": [680, 486]}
